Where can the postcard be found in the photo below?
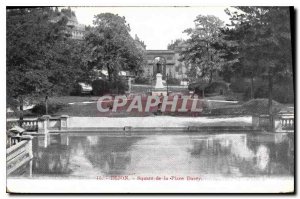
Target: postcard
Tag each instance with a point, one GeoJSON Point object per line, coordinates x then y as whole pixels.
{"type": "Point", "coordinates": [140, 99]}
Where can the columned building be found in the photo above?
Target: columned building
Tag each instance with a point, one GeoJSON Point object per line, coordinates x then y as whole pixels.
{"type": "Point", "coordinates": [165, 62]}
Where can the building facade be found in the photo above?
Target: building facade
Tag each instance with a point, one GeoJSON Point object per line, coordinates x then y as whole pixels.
{"type": "Point", "coordinates": [165, 62]}
{"type": "Point", "coordinates": [75, 29]}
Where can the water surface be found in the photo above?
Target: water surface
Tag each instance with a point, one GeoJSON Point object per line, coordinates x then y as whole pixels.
{"type": "Point", "coordinates": [208, 156]}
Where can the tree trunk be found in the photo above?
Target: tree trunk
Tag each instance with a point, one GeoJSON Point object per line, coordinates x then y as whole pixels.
{"type": "Point", "coordinates": [109, 71]}
{"type": "Point", "coordinates": [210, 77]}
{"type": "Point", "coordinates": [270, 99]}
{"type": "Point", "coordinates": [46, 104]}
{"type": "Point", "coordinates": [21, 111]}
{"type": "Point", "coordinates": [208, 60]}
{"type": "Point", "coordinates": [109, 74]}
{"type": "Point", "coordinates": [252, 88]}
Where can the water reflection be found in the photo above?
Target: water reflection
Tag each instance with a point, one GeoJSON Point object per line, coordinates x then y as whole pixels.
{"type": "Point", "coordinates": [112, 155]}
{"type": "Point", "coordinates": [208, 156]}
{"type": "Point", "coordinates": [51, 156]}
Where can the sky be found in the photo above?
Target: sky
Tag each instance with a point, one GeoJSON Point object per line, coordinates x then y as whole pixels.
{"type": "Point", "coordinates": [156, 26]}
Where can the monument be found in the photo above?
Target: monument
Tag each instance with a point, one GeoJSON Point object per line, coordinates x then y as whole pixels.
{"type": "Point", "coordinates": [159, 88]}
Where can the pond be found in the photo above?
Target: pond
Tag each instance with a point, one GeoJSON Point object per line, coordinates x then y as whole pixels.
{"type": "Point", "coordinates": [202, 155]}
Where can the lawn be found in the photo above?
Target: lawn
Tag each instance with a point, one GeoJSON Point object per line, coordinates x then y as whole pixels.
{"type": "Point", "coordinates": [87, 106]}
{"type": "Point", "coordinates": [77, 108]}
{"type": "Point", "coordinates": [72, 99]}
{"type": "Point", "coordinates": [211, 106]}
{"type": "Point", "coordinates": [144, 88]}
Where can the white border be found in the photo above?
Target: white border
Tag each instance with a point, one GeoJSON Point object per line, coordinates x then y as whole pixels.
{"type": "Point", "coordinates": [244, 185]}
{"type": "Point", "coordinates": [109, 3]}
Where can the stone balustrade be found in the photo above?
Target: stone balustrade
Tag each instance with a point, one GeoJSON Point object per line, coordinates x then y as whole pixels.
{"type": "Point", "coordinates": [28, 125]}
{"type": "Point", "coordinates": [281, 123]}
{"type": "Point", "coordinates": [47, 123]}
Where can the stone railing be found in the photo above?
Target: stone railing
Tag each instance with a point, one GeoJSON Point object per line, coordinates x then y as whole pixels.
{"type": "Point", "coordinates": [47, 123]}
{"type": "Point", "coordinates": [287, 122]}
{"type": "Point", "coordinates": [18, 155]}
{"type": "Point", "coordinates": [280, 123]}
{"type": "Point", "coordinates": [28, 125]}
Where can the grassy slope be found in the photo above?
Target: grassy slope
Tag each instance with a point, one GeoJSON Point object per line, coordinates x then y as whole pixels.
{"type": "Point", "coordinates": [212, 107]}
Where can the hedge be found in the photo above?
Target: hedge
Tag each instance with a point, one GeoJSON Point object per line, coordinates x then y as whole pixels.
{"type": "Point", "coordinates": [102, 87]}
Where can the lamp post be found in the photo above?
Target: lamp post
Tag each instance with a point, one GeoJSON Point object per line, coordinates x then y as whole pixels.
{"type": "Point", "coordinates": [151, 80]}
{"type": "Point", "coordinates": [167, 85]}
{"type": "Point", "coordinates": [271, 117]}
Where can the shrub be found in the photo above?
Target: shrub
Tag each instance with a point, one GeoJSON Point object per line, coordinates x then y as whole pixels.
{"type": "Point", "coordinates": [102, 87]}
{"type": "Point", "coordinates": [192, 86]}
{"type": "Point", "coordinates": [141, 80]}
{"type": "Point", "coordinates": [260, 106]}
{"type": "Point", "coordinates": [239, 86]}
{"type": "Point", "coordinates": [199, 90]}
{"type": "Point", "coordinates": [173, 81]}
{"type": "Point", "coordinates": [76, 90]}
{"type": "Point", "coordinates": [118, 86]}
{"type": "Point", "coordinates": [231, 96]}
{"type": "Point", "coordinates": [197, 86]}
{"type": "Point", "coordinates": [215, 87]}
{"type": "Point", "coordinates": [53, 107]}
{"type": "Point", "coordinates": [282, 93]}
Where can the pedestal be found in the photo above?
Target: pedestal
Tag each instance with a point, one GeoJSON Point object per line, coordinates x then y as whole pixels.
{"type": "Point", "coordinates": [64, 122]}
{"type": "Point", "coordinates": [159, 93]}
{"type": "Point", "coordinates": [43, 124]}
{"type": "Point", "coordinates": [159, 84]}
{"type": "Point", "coordinates": [159, 89]}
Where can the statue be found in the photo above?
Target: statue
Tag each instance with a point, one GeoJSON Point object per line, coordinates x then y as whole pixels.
{"type": "Point", "coordinates": [159, 88]}
{"type": "Point", "coordinates": [158, 68]}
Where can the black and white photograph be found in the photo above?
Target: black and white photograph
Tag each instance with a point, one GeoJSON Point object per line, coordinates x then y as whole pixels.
{"type": "Point", "coordinates": [150, 99]}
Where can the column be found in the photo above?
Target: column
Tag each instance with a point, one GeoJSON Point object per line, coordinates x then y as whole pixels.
{"type": "Point", "coordinates": [64, 122]}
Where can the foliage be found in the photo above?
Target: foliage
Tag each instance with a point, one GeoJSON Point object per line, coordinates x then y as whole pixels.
{"type": "Point", "coordinates": [103, 87]}
{"type": "Point", "coordinates": [264, 38]}
{"type": "Point", "coordinates": [40, 59]}
{"type": "Point", "coordinates": [173, 81]}
{"type": "Point", "coordinates": [119, 86]}
{"type": "Point", "coordinates": [215, 87]}
{"type": "Point", "coordinates": [260, 106]}
{"type": "Point", "coordinates": [141, 80]}
{"type": "Point", "coordinates": [111, 46]}
{"type": "Point", "coordinates": [282, 92]}
{"type": "Point", "coordinates": [75, 90]}
{"type": "Point", "coordinates": [239, 85]}
{"type": "Point", "coordinates": [201, 50]}
{"type": "Point", "coordinates": [100, 87]}
{"type": "Point", "coordinates": [53, 107]}
{"type": "Point", "coordinates": [198, 86]}
{"type": "Point", "coordinates": [175, 44]}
